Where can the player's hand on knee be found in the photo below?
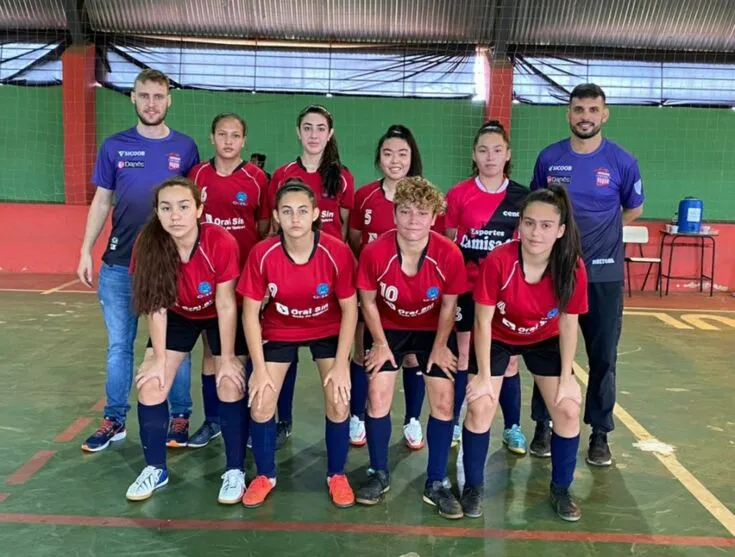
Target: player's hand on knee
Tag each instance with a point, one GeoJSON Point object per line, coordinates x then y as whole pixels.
{"type": "Point", "coordinates": [442, 357]}
{"type": "Point", "coordinates": [376, 358]}
{"type": "Point", "coordinates": [151, 370]}
{"type": "Point", "coordinates": [260, 382]}
{"type": "Point", "coordinates": [231, 368]}
{"type": "Point", "coordinates": [478, 386]}
{"type": "Point", "coordinates": [568, 388]}
{"type": "Point", "coordinates": [341, 385]}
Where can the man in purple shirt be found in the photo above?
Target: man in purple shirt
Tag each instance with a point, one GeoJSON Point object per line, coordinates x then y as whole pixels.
{"type": "Point", "coordinates": [130, 164]}
{"type": "Point", "coordinates": [604, 183]}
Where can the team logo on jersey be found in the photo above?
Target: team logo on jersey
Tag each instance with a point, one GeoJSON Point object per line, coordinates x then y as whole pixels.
{"type": "Point", "coordinates": [322, 290]}
{"type": "Point", "coordinates": [241, 197]}
{"type": "Point", "coordinates": [552, 313]}
{"type": "Point", "coordinates": [204, 288]}
{"type": "Point", "coordinates": [174, 162]}
{"type": "Point", "coordinates": [432, 293]}
{"type": "Point", "coordinates": [272, 289]}
{"type": "Point", "coordinates": [602, 177]}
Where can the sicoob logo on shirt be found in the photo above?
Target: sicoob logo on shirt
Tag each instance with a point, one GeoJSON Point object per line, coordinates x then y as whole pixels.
{"type": "Point", "coordinates": [432, 293]}
{"type": "Point", "coordinates": [205, 289]}
{"type": "Point", "coordinates": [552, 313]}
{"type": "Point", "coordinates": [322, 290]}
{"type": "Point", "coordinates": [241, 197]}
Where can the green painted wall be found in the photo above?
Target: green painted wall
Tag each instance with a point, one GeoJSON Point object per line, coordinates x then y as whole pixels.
{"type": "Point", "coordinates": [681, 151]}
{"type": "Point", "coordinates": [31, 144]}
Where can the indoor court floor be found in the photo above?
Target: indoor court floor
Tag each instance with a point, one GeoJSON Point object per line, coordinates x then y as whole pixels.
{"type": "Point", "coordinates": [670, 491]}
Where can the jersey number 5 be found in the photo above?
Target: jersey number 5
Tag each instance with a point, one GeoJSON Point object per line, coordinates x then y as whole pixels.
{"type": "Point", "coordinates": [368, 216]}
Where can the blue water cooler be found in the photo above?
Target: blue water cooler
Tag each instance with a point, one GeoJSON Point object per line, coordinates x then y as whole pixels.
{"type": "Point", "coordinates": [690, 215]}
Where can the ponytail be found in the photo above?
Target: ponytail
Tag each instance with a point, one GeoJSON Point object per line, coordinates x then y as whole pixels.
{"type": "Point", "coordinates": [157, 257]}
{"type": "Point", "coordinates": [567, 250]}
{"type": "Point", "coordinates": [156, 266]}
{"type": "Point", "coordinates": [330, 169]}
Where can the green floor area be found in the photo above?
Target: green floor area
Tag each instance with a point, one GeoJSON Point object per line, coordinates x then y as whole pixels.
{"type": "Point", "coordinates": [676, 383]}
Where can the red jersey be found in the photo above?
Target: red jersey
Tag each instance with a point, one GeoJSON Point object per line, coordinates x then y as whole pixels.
{"type": "Point", "coordinates": [214, 260]}
{"type": "Point", "coordinates": [329, 207]}
{"type": "Point", "coordinates": [484, 220]}
{"type": "Point", "coordinates": [304, 299]}
{"type": "Point", "coordinates": [236, 202]}
{"type": "Point", "coordinates": [411, 303]}
{"type": "Point", "coordinates": [373, 213]}
{"type": "Point", "coordinates": [525, 313]}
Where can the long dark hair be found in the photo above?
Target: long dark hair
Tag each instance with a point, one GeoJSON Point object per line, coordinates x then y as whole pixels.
{"type": "Point", "coordinates": [567, 250]}
{"type": "Point", "coordinates": [294, 185]}
{"type": "Point", "coordinates": [157, 257]}
{"type": "Point", "coordinates": [398, 131]}
{"type": "Point", "coordinates": [330, 167]}
{"type": "Point", "coordinates": [492, 126]}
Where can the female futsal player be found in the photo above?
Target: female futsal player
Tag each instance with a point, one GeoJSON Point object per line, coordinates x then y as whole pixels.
{"type": "Point", "coordinates": [309, 277]}
{"type": "Point", "coordinates": [184, 277]}
{"type": "Point", "coordinates": [234, 193]}
{"type": "Point", "coordinates": [528, 296]}
{"type": "Point", "coordinates": [409, 280]}
{"type": "Point", "coordinates": [396, 156]}
{"type": "Point", "coordinates": [482, 213]}
{"type": "Point", "coordinates": [320, 168]}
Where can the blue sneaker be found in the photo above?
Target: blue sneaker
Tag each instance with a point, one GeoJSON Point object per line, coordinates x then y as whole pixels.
{"type": "Point", "coordinates": [178, 431]}
{"type": "Point", "coordinates": [202, 436]}
{"type": "Point", "coordinates": [108, 431]}
{"type": "Point", "coordinates": [149, 480]}
{"type": "Point", "coordinates": [514, 440]}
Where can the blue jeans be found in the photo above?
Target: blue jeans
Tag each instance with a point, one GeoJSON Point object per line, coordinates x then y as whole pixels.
{"type": "Point", "coordinates": [115, 293]}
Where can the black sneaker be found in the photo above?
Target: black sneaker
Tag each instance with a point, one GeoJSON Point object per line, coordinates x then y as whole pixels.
{"type": "Point", "coordinates": [541, 444]}
{"type": "Point", "coordinates": [564, 504]}
{"type": "Point", "coordinates": [372, 491]}
{"type": "Point", "coordinates": [283, 432]}
{"type": "Point", "coordinates": [598, 453]}
{"type": "Point", "coordinates": [444, 500]}
{"type": "Point", "coordinates": [202, 436]}
{"type": "Point", "coordinates": [471, 501]}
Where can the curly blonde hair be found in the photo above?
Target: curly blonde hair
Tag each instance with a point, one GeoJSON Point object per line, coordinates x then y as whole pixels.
{"type": "Point", "coordinates": [416, 190]}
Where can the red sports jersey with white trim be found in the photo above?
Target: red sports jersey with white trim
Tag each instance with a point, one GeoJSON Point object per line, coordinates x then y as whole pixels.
{"type": "Point", "coordinates": [373, 213]}
{"type": "Point", "coordinates": [405, 302]}
{"type": "Point", "coordinates": [215, 260]}
{"type": "Point", "coordinates": [329, 207]}
{"type": "Point", "coordinates": [236, 202]}
{"type": "Point", "coordinates": [524, 313]}
{"type": "Point", "coordinates": [304, 299]}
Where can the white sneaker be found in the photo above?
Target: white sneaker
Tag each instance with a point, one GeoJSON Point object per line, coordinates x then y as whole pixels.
{"type": "Point", "coordinates": [357, 432]}
{"type": "Point", "coordinates": [149, 480]}
{"type": "Point", "coordinates": [456, 436]}
{"type": "Point", "coordinates": [233, 487]}
{"type": "Point", "coordinates": [414, 435]}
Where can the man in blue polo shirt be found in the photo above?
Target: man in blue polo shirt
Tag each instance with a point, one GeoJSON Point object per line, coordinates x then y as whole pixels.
{"type": "Point", "coordinates": [130, 164]}
{"type": "Point", "coordinates": [606, 190]}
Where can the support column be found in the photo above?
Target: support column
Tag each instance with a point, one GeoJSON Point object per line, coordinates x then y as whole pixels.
{"type": "Point", "coordinates": [499, 91]}
{"type": "Point", "coordinates": [80, 122]}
